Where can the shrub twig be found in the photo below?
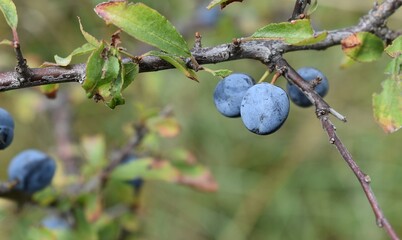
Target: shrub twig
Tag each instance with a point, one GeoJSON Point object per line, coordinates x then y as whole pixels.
{"type": "Point", "coordinates": [323, 110]}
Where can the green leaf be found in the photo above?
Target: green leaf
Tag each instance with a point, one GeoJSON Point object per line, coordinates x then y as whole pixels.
{"type": "Point", "coordinates": [83, 229]}
{"type": "Point", "coordinates": [10, 13]}
{"type": "Point", "coordinates": [90, 39]}
{"type": "Point", "coordinates": [394, 67]}
{"type": "Point", "coordinates": [94, 148]}
{"type": "Point", "coordinates": [219, 73]}
{"type": "Point", "coordinates": [395, 49]}
{"type": "Point", "coordinates": [223, 3]}
{"type": "Point", "coordinates": [177, 63]}
{"type": "Point", "coordinates": [312, 7]}
{"type": "Point", "coordinates": [146, 168]}
{"type": "Point", "coordinates": [214, 3]}
{"type": "Point", "coordinates": [297, 32]}
{"type": "Point", "coordinates": [102, 69]}
{"type": "Point", "coordinates": [190, 174]}
{"type": "Point", "coordinates": [363, 46]}
{"type": "Point", "coordinates": [84, 49]}
{"type": "Point", "coordinates": [129, 73]}
{"type": "Point", "coordinates": [145, 24]}
{"type": "Point", "coordinates": [115, 89]}
{"type": "Point", "coordinates": [388, 105]}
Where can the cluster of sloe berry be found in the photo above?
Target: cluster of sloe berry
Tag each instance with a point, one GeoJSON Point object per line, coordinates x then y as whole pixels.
{"type": "Point", "coordinates": [29, 171]}
{"type": "Point", "coordinates": [263, 107]}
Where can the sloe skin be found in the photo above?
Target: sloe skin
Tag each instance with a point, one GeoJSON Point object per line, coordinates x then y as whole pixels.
{"type": "Point", "coordinates": [229, 93]}
{"type": "Point", "coordinates": [33, 169]}
{"type": "Point", "coordinates": [308, 74]}
{"type": "Point", "coordinates": [264, 108]}
{"type": "Point", "coordinates": [6, 129]}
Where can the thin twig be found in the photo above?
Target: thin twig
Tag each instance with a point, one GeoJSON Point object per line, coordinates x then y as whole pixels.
{"type": "Point", "coordinates": [299, 8]}
{"type": "Point", "coordinates": [363, 178]}
{"type": "Point", "coordinates": [323, 110]}
{"type": "Point", "coordinates": [139, 135]}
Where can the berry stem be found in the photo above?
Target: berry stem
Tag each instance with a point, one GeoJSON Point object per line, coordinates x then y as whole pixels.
{"type": "Point", "coordinates": [263, 77]}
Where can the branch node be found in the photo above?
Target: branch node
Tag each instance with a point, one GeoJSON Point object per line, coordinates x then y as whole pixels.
{"type": "Point", "coordinates": [23, 71]}
{"type": "Point", "coordinates": [379, 222]}
{"type": "Point", "coordinates": [321, 112]}
{"type": "Point", "coordinates": [236, 43]}
{"type": "Point", "coordinates": [367, 179]}
{"type": "Point", "coordinates": [197, 43]}
{"type": "Point", "coordinates": [315, 82]}
{"type": "Point", "coordinates": [298, 11]}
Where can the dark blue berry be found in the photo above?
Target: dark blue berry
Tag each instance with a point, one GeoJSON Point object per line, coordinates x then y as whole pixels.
{"type": "Point", "coordinates": [6, 129]}
{"type": "Point", "coordinates": [229, 93]}
{"type": "Point", "coordinates": [207, 17]}
{"type": "Point", "coordinates": [264, 108]}
{"type": "Point", "coordinates": [308, 74]}
{"type": "Point", "coordinates": [56, 222]}
{"type": "Point", "coordinates": [32, 169]}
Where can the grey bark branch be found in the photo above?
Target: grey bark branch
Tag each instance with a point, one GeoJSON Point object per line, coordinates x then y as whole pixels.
{"type": "Point", "coordinates": [261, 50]}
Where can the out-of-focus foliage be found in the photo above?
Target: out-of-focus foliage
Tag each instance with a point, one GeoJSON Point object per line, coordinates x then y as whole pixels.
{"type": "Point", "coordinates": [289, 185]}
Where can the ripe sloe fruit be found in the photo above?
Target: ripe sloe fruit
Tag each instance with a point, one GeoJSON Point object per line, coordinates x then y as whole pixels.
{"type": "Point", "coordinates": [6, 129]}
{"type": "Point", "coordinates": [136, 182]}
{"type": "Point", "coordinates": [264, 108]}
{"type": "Point", "coordinates": [33, 169]}
{"type": "Point", "coordinates": [207, 17]}
{"type": "Point", "coordinates": [308, 74]}
{"type": "Point", "coordinates": [56, 222]}
{"type": "Point", "coordinates": [229, 93]}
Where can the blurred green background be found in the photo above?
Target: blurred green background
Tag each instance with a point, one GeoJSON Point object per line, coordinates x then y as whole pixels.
{"type": "Point", "coordinates": [289, 185]}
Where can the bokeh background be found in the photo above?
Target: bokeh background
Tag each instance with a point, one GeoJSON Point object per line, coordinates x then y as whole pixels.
{"type": "Point", "coordinates": [289, 185]}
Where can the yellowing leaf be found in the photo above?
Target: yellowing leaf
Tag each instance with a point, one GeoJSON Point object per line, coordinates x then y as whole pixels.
{"type": "Point", "coordinates": [50, 90]}
{"type": "Point", "coordinates": [363, 46]}
{"type": "Point", "coordinates": [145, 24]}
{"type": "Point", "coordinates": [388, 105]}
{"type": "Point", "coordinates": [6, 42]}
{"type": "Point", "coordinates": [84, 49]}
{"type": "Point", "coordinates": [395, 49]}
{"type": "Point", "coordinates": [298, 32]}
{"type": "Point", "coordinates": [167, 127]}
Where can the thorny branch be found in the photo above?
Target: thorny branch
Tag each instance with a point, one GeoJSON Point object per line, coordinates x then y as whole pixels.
{"type": "Point", "coordinates": [268, 52]}
{"type": "Point", "coordinates": [323, 110]}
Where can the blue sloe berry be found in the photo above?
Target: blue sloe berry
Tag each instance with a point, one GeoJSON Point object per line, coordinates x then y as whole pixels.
{"type": "Point", "coordinates": [207, 17]}
{"type": "Point", "coordinates": [33, 169]}
{"type": "Point", "coordinates": [56, 222]}
{"type": "Point", "coordinates": [308, 74]}
{"type": "Point", "coordinates": [6, 128]}
{"type": "Point", "coordinates": [264, 108]}
{"type": "Point", "coordinates": [229, 93]}
{"type": "Point", "coordinates": [136, 182]}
